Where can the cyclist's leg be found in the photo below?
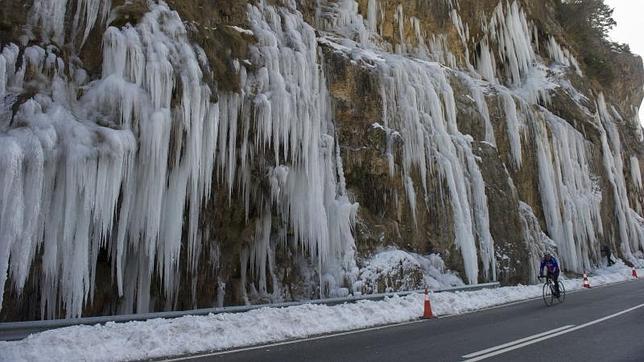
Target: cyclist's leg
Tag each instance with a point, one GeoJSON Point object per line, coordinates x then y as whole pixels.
{"type": "Point", "coordinates": [555, 281]}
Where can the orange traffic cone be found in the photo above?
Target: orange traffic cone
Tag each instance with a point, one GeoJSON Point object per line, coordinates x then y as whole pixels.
{"type": "Point", "coordinates": [586, 283]}
{"type": "Point", "coordinates": [427, 310]}
{"type": "Point", "coordinates": [634, 273]}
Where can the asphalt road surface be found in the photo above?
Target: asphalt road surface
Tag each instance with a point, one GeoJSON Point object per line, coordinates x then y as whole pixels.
{"type": "Point", "coordinates": [600, 324]}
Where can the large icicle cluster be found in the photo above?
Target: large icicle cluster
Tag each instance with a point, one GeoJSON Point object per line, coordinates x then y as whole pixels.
{"type": "Point", "coordinates": [570, 195]}
{"type": "Point", "coordinates": [509, 29]}
{"type": "Point", "coordinates": [418, 106]}
{"type": "Point", "coordinates": [290, 104]}
{"type": "Point", "coordinates": [570, 192]}
{"type": "Point", "coordinates": [48, 16]}
{"type": "Point", "coordinates": [629, 227]}
{"type": "Point", "coordinates": [112, 169]}
{"type": "Point", "coordinates": [125, 164]}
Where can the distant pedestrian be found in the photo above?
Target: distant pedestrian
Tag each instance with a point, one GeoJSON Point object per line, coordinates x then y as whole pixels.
{"type": "Point", "coordinates": [606, 252]}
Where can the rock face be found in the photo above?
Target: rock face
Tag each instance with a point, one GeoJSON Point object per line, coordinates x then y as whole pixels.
{"type": "Point", "coordinates": [180, 154]}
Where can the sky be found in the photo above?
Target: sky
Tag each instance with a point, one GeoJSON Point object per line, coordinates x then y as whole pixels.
{"type": "Point", "coordinates": [630, 27]}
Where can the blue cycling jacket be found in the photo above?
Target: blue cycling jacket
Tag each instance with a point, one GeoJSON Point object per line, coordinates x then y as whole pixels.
{"type": "Point", "coordinates": [551, 265]}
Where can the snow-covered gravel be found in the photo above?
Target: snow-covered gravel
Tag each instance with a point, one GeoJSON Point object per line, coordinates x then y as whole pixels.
{"type": "Point", "coordinates": [192, 334]}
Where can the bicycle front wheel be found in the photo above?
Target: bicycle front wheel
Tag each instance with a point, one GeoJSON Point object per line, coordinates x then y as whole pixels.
{"type": "Point", "coordinates": [562, 292]}
{"type": "Point", "coordinates": [548, 298]}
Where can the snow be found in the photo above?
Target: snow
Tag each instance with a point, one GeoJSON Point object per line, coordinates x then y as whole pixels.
{"type": "Point", "coordinates": [242, 30]}
{"type": "Point", "coordinates": [159, 338]}
{"type": "Point", "coordinates": [393, 270]}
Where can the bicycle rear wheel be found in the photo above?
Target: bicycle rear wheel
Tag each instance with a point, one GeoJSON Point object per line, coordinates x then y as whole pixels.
{"type": "Point", "coordinates": [548, 298]}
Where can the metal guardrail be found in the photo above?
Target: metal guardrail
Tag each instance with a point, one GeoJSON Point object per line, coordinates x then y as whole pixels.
{"type": "Point", "coordinates": [12, 331]}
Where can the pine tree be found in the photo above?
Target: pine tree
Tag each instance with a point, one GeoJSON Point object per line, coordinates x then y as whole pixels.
{"type": "Point", "coordinates": [588, 23]}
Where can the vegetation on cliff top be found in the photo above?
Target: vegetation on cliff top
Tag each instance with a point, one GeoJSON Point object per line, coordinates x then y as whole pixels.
{"type": "Point", "coordinates": [587, 24]}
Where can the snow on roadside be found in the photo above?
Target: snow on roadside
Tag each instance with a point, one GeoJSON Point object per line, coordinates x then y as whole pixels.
{"type": "Point", "coordinates": [193, 334]}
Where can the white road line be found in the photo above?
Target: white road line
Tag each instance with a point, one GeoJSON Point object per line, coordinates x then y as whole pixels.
{"type": "Point", "coordinates": [536, 340]}
{"type": "Point", "coordinates": [475, 354]}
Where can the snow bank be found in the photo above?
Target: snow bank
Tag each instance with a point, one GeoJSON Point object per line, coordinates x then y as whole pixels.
{"type": "Point", "coordinates": [159, 337]}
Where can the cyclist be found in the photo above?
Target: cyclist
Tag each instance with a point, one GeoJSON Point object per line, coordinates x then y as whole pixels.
{"type": "Point", "coordinates": [552, 267]}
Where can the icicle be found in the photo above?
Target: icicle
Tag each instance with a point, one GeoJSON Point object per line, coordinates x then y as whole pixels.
{"type": "Point", "coordinates": [3, 77]}
{"type": "Point", "coordinates": [536, 241]}
{"type": "Point", "coordinates": [88, 12]}
{"type": "Point", "coordinates": [49, 17]}
{"type": "Point", "coordinates": [486, 64]}
{"type": "Point", "coordinates": [513, 127]}
{"type": "Point", "coordinates": [636, 174]}
{"type": "Point", "coordinates": [372, 16]}
{"type": "Point", "coordinates": [341, 16]}
{"type": "Point", "coordinates": [513, 36]}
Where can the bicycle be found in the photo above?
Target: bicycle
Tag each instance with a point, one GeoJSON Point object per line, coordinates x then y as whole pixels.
{"type": "Point", "coordinates": [549, 292]}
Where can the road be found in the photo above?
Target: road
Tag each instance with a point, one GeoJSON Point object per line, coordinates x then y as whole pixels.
{"type": "Point", "coordinates": [600, 324]}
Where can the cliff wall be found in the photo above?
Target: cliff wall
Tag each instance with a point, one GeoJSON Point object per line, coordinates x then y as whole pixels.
{"type": "Point", "coordinates": [181, 154]}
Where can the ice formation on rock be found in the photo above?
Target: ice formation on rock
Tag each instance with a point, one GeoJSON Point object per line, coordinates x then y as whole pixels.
{"type": "Point", "coordinates": [419, 107]}
{"type": "Point", "coordinates": [636, 174]}
{"type": "Point", "coordinates": [629, 230]}
{"type": "Point", "coordinates": [571, 198]}
{"type": "Point", "coordinates": [136, 158]}
{"type": "Point", "coordinates": [49, 17]}
{"type": "Point", "coordinates": [125, 163]}
{"type": "Point", "coordinates": [511, 31]}
{"type": "Point", "coordinates": [292, 109]}
{"type": "Point", "coordinates": [562, 55]}
{"type": "Point", "coordinates": [109, 169]}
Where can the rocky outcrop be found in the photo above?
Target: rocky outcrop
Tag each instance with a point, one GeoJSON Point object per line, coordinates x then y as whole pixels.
{"type": "Point", "coordinates": [197, 153]}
